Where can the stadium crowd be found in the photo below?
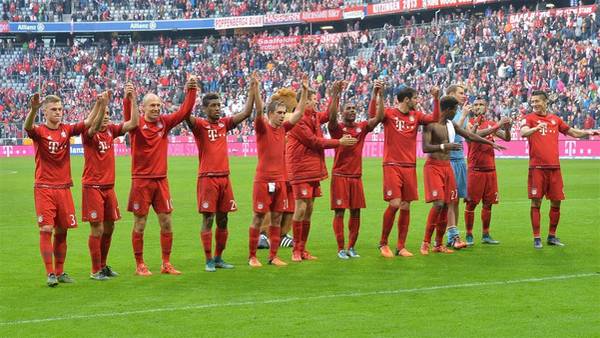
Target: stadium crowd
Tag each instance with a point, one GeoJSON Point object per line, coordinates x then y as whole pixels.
{"type": "Point", "coordinates": [491, 56]}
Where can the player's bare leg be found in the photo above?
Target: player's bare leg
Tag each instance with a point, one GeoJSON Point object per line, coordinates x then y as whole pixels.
{"type": "Point", "coordinates": [137, 240]}
{"type": "Point", "coordinates": [353, 228]}
{"type": "Point", "coordinates": [253, 238]}
{"type": "Point", "coordinates": [221, 234]}
{"type": "Point", "coordinates": [486, 217]}
{"type": "Point", "coordinates": [46, 252]}
{"type": "Point", "coordinates": [108, 229]}
{"type": "Point", "coordinates": [206, 239]}
{"type": "Point", "coordinates": [403, 224]}
{"type": "Point", "coordinates": [536, 203]}
{"type": "Point", "coordinates": [554, 219]}
{"type": "Point", "coordinates": [166, 243]}
{"type": "Point", "coordinates": [95, 247]}
{"type": "Point", "coordinates": [338, 230]}
{"type": "Point", "coordinates": [60, 254]}
{"type": "Point", "coordinates": [388, 223]}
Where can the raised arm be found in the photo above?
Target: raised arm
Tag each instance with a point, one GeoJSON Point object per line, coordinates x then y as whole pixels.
{"type": "Point", "coordinates": [185, 110]}
{"type": "Point", "coordinates": [379, 90]}
{"type": "Point", "coordinates": [258, 102]}
{"type": "Point", "coordinates": [34, 107]}
{"type": "Point", "coordinates": [299, 110]}
{"type": "Point", "coordinates": [429, 118]}
{"type": "Point", "coordinates": [98, 112]}
{"type": "Point", "coordinates": [475, 138]}
{"type": "Point", "coordinates": [245, 113]}
{"type": "Point", "coordinates": [332, 110]}
{"type": "Point", "coordinates": [131, 98]}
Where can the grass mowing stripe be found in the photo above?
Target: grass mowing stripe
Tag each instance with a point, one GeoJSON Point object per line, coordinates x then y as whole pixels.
{"type": "Point", "coordinates": [309, 298]}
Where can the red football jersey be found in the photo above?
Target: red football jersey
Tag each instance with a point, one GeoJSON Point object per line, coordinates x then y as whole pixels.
{"type": "Point", "coordinates": [149, 141]}
{"type": "Point", "coordinates": [53, 153]}
{"type": "Point", "coordinates": [543, 144]}
{"type": "Point", "coordinates": [482, 156]}
{"type": "Point", "coordinates": [270, 143]}
{"type": "Point", "coordinates": [348, 160]}
{"type": "Point", "coordinates": [400, 135]}
{"type": "Point", "coordinates": [99, 154]}
{"type": "Point", "coordinates": [211, 140]}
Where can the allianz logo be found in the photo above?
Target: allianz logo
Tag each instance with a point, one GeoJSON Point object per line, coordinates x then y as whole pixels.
{"type": "Point", "coordinates": [31, 27]}
{"type": "Point", "coordinates": [143, 25]}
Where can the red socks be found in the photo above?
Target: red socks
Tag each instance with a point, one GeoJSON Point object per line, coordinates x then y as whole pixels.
{"type": "Point", "coordinates": [253, 234]}
{"type": "Point", "coordinates": [432, 221]}
{"type": "Point", "coordinates": [94, 243]}
{"type": "Point", "coordinates": [441, 226]}
{"type": "Point", "coordinates": [206, 238]}
{"type": "Point", "coordinates": [403, 221]}
{"type": "Point", "coordinates": [388, 223]}
{"type": "Point", "coordinates": [338, 229]}
{"type": "Point", "coordinates": [554, 218]}
{"type": "Point", "coordinates": [104, 247]}
{"type": "Point", "coordinates": [354, 226]}
{"type": "Point", "coordinates": [137, 241]}
{"type": "Point", "coordinates": [486, 218]}
{"type": "Point", "coordinates": [470, 217]}
{"type": "Point", "coordinates": [535, 221]}
{"type": "Point", "coordinates": [166, 242]}
{"type": "Point", "coordinates": [60, 252]}
{"type": "Point", "coordinates": [305, 232]}
{"type": "Point", "coordinates": [297, 231]}
{"type": "Point", "coordinates": [221, 239]}
{"type": "Point", "coordinates": [274, 239]}
{"type": "Point", "coordinates": [46, 250]}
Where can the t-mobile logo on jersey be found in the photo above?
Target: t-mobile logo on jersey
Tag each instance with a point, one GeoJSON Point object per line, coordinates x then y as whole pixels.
{"type": "Point", "coordinates": [52, 147]}
{"type": "Point", "coordinates": [213, 134]}
{"type": "Point", "coordinates": [543, 128]}
{"type": "Point", "coordinates": [102, 147]}
{"type": "Point", "coordinates": [401, 125]}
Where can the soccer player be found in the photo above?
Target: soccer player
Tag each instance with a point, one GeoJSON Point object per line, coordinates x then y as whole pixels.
{"type": "Point", "coordinates": [459, 167]}
{"type": "Point", "coordinates": [214, 192]}
{"type": "Point", "coordinates": [541, 129]}
{"type": "Point", "coordinates": [52, 188]}
{"type": "Point", "coordinates": [440, 187]}
{"type": "Point", "coordinates": [400, 125]}
{"type": "Point", "coordinates": [149, 183]}
{"type": "Point", "coordinates": [482, 183]}
{"type": "Point", "coordinates": [99, 201]}
{"type": "Point", "coordinates": [270, 193]}
{"type": "Point", "coordinates": [346, 183]}
{"type": "Point", "coordinates": [306, 158]}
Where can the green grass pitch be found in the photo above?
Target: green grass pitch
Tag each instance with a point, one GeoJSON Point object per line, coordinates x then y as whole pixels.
{"type": "Point", "coordinates": [506, 290]}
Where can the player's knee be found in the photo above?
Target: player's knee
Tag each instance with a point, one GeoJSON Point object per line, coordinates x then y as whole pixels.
{"type": "Point", "coordinates": [472, 205]}
{"type": "Point", "coordinates": [405, 205]}
{"type": "Point", "coordinates": [258, 220]}
{"type": "Point", "coordinates": [221, 219]}
{"type": "Point", "coordinates": [207, 220]}
{"type": "Point", "coordinates": [109, 226]}
{"type": "Point", "coordinates": [339, 212]}
{"type": "Point", "coordinates": [46, 228]}
{"type": "Point", "coordinates": [555, 204]}
{"type": "Point", "coordinates": [355, 213]}
{"type": "Point", "coordinates": [536, 202]}
{"type": "Point", "coordinates": [165, 222]}
{"type": "Point", "coordinates": [395, 203]}
{"type": "Point", "coordinates": [97, 228]}
{"type": "Point", "coordinates": [487, 206]}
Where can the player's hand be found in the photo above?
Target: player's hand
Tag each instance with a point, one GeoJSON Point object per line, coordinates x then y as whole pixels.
{"type": "Point", "coordinates": [435, 92]}
{"type": "Point", "coordinates": [452, 146]}
{"type": "Point", "coordinates": [377, 87]}
{"type": "Point", "coordinates": [35, 102]}
{"type": "Point", "coordinates": [254, 80]}
{"type": "Point", "coordinates": [505, 121]}
{"type": "Point", "coordinates": [348, 140]}
{"type": "Point", "coordinates": [338, 87]}
{"type": "Point", "coordinates": [129, 91]}
{"type": "Point", "coordinates": [593, 132]}
{"type": "Point", "coordinates": [305, 83]}
{"type": "Point", "coordinates": [541, 125]}
{"type": "Point", "coordinates": [191, 83]}
{"type": "Point", "coordinates": [466, 110]}
{"type": "Point", "coordinates": [498, 147]}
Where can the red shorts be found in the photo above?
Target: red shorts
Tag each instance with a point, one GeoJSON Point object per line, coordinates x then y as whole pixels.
{"type": "Point", "coordinates": [400, 182]}
{"type": "Point", "coordinates": [214, 194]}
{"type": "Point", "coordinates": [347, 193]}
{"type": "Point", "coordinates": [306, 190]}
{"type": "Point", "coordinates": [439, 181]}
{"type": "Point", "coordinates": [99, 205]}
{"type": "Point", "coordinates": [482, 185]}
{"type": "Point", "coordinates": [55, 207]}
{"type": "Point", "coordinates": [545, 182]}
{"type": "Point", "coordinates": [291, 201]}
{"type": "Point", "coordinates": [270, 197]}
{"type": "Point", "coordinates": [150, 191]}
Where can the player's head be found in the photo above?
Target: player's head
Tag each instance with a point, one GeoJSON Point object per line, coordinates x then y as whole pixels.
{"type": "Point", "coordinates": [407, 96]}
{"type": "Point", "coordinates": [276, 112]}
{"type": "Point", "coordinates": [211, 105]}
{"type": "Point", "coordinates": [311, 100]}
{"type": "Point", "coordinates": [448, 106]}
{"type": "Point", "coordinates": [349, 111]}
{"type": "Point", "coordinates": [106, 119]}
{"type": "Point", "coordinates": [151, 106]}
{"type": "Point", "coordinates": [458, 91]}
{"type": "Point", "coordinates": [539, 101]}
{"type": "Point", "coordinates": [480, 106]}
{"type": "Point", "coordinates": [53, 108]}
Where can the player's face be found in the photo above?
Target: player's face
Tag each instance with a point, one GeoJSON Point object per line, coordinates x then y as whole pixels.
{"type": "Point", "coordinates": [312, 101]}
{"type": "Point", "coordinates": [538, 103]}
{"type": "Point", "coordinates": [53, 112]}
{"type": "Point", "coordinates": [349, 112]}
{"type": "Point", "coordinates": [460, 95]}
{"type": "Point", "coordinates": [450, 113]}
{"type": "Point", "coordinates": [276, 117]}
{"type": "Point", "coordinates": [106, 119]}
{"type": "Point", "coordinates": [152, 106]}
{"type": "Point", "coordinates": [413, 102]}
{"type": "Point", "coordinates": [479, 107]}
{"type": "Point", "coordinates": [213, 109]}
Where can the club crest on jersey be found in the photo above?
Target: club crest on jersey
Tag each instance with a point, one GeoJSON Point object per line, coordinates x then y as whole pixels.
{"type": "Point", "coordinates": [344, 129]}
{"type": "Point", "coordinates": [358, 130]}
{"type": "Point", "coordinates": [221, 125]}
{"type": "Point", "coordinates": [389, 193]}
{"type": "Point", "coordinates": [136, 205]}
{"type": "Point", "coordinates": [534, 191]}
{"type": "Point", "coordinates": [159, 125]}
{"type": "Point", "coordinates": [338, 202]}
{"type": "Point", "coordinates": [63, 134]}
{"type": "Point", "coordinates": [304, 192]}
{"type": "Point", "coordinates": [40, 218]}
{"type": "Point", "coordinates": [205, 205]}
{"type": "Point", "coordinates": [411, 119]}
{"type": "Point", "coordinates": [553, 122]}
{"type": "Point", "coordinates": [260, 206]}
{"type": "Point", "coordinates": [94, 214]}
{"type": "Point", "coordinates": [434, 193]}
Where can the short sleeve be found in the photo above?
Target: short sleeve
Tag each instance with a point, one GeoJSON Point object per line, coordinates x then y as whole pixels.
{"type": "Point", "coordinates": [33, 133]}
{"type": "Point", "coordinates": [287, 126]}
{"type": "Point", "coordinates": [260, 125]}
{"type": "Point", "coordinates": [335, 132]}
{"type": "Point", "coordinates": [76, 128]}
{"type": "Point", "coordinates": [229, 124]}
{"type": "Point", "coordinates": [116, 130]}
{"type": "Point", "coordinates": [526, 121]}
{"type": "Point", "coordinates": [562, 126]}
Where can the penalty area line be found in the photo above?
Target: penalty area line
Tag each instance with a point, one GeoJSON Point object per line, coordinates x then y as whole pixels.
{"type": "Point", "coordinates": [300, 299]}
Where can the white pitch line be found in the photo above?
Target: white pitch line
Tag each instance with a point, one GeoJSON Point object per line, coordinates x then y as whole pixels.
{"type": "Point", "coordinates": [300, 299]}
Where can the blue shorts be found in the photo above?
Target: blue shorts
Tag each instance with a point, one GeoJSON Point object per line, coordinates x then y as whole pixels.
{"type": "Point", "coordinates": [460, 175]}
